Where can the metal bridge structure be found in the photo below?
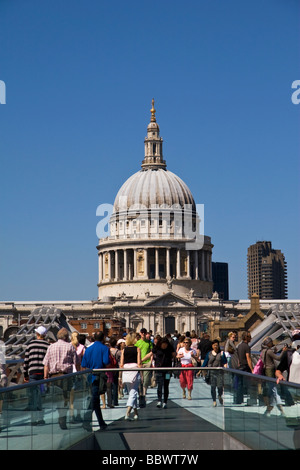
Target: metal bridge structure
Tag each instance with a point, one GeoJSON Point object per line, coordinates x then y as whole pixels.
{"type": "Point", "coordinates": [279, 323]}
{"type": "Point", "coordinates": [16, 338]}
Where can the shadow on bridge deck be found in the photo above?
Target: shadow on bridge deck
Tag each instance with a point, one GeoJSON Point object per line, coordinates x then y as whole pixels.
{"type": "Point", "coordinates": [173, 428]}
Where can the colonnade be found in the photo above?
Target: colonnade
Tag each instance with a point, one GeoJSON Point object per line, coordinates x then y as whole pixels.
{"type": "Point", "coordinates": [154, 263]}
{"type": "Point", "coordinates": [159, 324]}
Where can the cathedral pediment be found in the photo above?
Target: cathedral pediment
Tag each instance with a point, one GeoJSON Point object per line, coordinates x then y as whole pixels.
{"type": "Point", "coordinates": [170, 300]}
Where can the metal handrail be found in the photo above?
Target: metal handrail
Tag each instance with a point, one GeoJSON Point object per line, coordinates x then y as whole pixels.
{"type": "Point", "coordinates": [225, 370]}
{"type": "Point", "coordinates": [44, 381]}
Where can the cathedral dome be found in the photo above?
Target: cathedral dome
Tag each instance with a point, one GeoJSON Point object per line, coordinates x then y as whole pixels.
{"type": "Point", "coordinates": [151, 187]}
{"type": "Point", "coordinates": [155, 244]}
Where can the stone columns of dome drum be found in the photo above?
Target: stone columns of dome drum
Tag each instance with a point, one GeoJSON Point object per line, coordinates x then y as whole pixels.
{"type": "Point", "coordinates": [167, 263]}
{"type": "Point", "coordinates": [188, 265]}
{"type": "Point", "coordinates": [146, 271]}
{"type": "Point", "coordinates": [156, 263]}
{"type": "Point", "coordinates": [133, 264]}
{"type": "Point", "coordinates": [125, 277]}
{"type": "Point", "coordinates": [109, 266]}
{"type": "Point", "coordinates": [100, 266]}
{"type": "Point", "coordinates": [116, 265]}
{"type": "Point", "coordinates": [178, 264]}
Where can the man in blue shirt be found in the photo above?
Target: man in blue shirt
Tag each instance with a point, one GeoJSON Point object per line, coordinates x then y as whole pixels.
{"type": "Point", "coordinates": [95, 357]}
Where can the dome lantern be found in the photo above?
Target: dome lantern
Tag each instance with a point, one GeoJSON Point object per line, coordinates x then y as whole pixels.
{"type": "Point", "coordinates": [153, 145]}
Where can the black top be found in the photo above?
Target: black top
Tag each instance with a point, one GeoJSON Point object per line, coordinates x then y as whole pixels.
{"type": "Point", "coordinates": [243, 349]}
{"type": "Point", "coordinates": [285, 361]}
{"type": "Point", "coordinates": [163, 357]}
{"type": "Point", "coordinates": [130, 355]}
{"type": "Point", "coordinates": [205, 347]}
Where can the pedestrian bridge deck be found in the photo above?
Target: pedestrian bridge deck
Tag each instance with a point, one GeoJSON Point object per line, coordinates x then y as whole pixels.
{"type": "Point", "coordinates": [184, 425]}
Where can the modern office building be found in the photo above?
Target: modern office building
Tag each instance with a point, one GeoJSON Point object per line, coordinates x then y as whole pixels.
{"type": "Point", "coordinates": [220, 279]}
{"type": "Point", "coordinates": [267, 271]}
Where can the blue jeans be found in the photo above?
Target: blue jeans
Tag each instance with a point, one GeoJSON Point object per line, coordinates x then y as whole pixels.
{"type": "Point", "coordinates": [163, 380]}
{"type": "Point", "coordinates": [95, 405]}
{"type": "Point", "coordinates": [35, 398]}
{"type": "Point", "coordinates": [133, 392]}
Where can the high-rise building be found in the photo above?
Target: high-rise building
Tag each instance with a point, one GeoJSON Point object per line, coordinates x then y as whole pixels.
{"type": "Point", "coordinates": [220, 279]}
{"type": "Point", "coordinates": [267, 272]}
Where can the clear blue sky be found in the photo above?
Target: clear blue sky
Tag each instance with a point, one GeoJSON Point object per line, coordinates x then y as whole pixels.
{"type": "Point", "coordinates": [80, 76]}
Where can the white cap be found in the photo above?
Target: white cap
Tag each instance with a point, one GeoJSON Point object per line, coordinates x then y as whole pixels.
{"type": "Point", "coordinates": [121, 341]}
{"type": "Point", "coordinates": [41, 330]}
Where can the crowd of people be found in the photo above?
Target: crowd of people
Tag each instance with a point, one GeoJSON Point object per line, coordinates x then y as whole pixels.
{"type": "Point", "coordinates": [128, 362]}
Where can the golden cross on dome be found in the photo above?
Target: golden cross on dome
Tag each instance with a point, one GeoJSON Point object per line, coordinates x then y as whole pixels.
{"type": "Point", "coordinates": [153, 111]}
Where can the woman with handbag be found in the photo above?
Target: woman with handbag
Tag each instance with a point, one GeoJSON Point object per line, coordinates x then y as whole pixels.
{"type": "Point", "coordinates": [215, 358]}
{"type": "Point", "coordinates": [131, 358]}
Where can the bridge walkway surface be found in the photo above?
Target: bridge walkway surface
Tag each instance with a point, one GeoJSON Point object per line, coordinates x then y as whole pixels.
{"type": "Point", "coordinates": [185, 425]}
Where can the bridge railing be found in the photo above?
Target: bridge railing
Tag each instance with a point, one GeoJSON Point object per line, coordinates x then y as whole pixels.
{"type": "Point", "coordinates": [253, 410]}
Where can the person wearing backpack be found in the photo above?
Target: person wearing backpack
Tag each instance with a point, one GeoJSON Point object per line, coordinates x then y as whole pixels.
{"type": "Point", "coordinates": [269, 356]}
{"type": "Point", "coordinates": [290, 363]}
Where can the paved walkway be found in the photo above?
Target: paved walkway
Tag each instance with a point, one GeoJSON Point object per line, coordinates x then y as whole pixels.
{"type": "Point", "coordinates": [195, 424]}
